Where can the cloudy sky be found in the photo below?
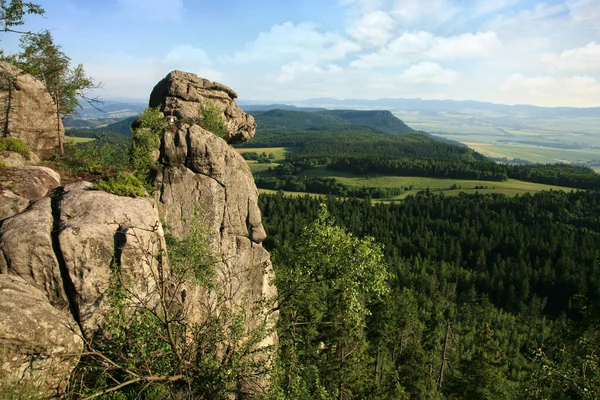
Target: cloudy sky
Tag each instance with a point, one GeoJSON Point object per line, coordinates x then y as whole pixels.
{"type": "Point", "coordinates": [544, 52]}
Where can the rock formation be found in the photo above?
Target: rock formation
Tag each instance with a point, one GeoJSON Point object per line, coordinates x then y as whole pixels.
{"type": "Point", "coordinates": [61, 248]}
{"type": "Point", "coordinates": [202, 173]}
{"type": "Point", "coordinates": [183, 94]}
{"type": "Point", "coordinates": [28, 112]}
{"type": "Point", "coordinates": [40, 344]}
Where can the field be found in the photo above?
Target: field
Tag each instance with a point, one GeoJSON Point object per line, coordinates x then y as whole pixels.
{"type": "Point", "coordinates": [533, 153]}
{"type": "Point", "coordinates": [451, 187]}
{"type": "Point", "coordinates": [279, 154]}
{"type": "Point", "coordinates": [531, 138]}
{"type": "Point", "coordinates": [73, 139]}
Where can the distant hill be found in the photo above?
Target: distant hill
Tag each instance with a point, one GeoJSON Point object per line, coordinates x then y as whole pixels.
{"type": "Point", "coordinates": [330, 120]}
{"type": "Point", "coordinates": [382, 120]}
{"type": "Point", "coordinates": [118, 128]}
{"type": "Point", "coordinates": [417, 104]}
{"type": "Point", "coordinates": [268, 107]}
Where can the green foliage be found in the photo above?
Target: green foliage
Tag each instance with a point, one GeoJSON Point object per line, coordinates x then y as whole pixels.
{"type": "Point", "coordinates": [12, 13]}
{"type": "Point", "coordinates": [121, 184]}
{"type": "Point", "coordinates": [145, 139]}
{"type": "Point", "coordinates": [93, 156]}
{"type": "Point", "coordinates": [483, 300]}
{"type": "Point", "coordinates": [45, 60]}
{"type": "Point", "coordinates": [13, 144]}
{"type": "Point", "coordinates": [151, 348]}
{"type": "Point", "coordinates": [212, 119]}
{"type": "Point", "coordinates": [327, 281]}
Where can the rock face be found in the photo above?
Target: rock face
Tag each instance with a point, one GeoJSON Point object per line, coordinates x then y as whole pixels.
{"type": "Point", "coordinates": [202, 173]}
{"type": "Point", "coordinates": [40, 344]}
{"type": "Point", "coordinates": [18, 186]}
{"type": "Point", "coordinates": [183, 94]}
{"type": "Point", "coordinates": [62, 248]}
{"type": "Point", "coordinates": [99, 234]}
{"type": "Point", "coordinates": [28, 112]}
{"type": "Point", "coordinates": [66, 252]}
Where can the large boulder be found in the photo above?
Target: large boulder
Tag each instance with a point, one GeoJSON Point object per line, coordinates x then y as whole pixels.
{"type": "Point", "coordinates": [183, 95]}
{"type": "Point", "coordinates": [28, 251]}
{"type": "Point", "coordinates": [28, 112]}
{"type": "Point", "coordinates": [103, 237]}
{"type": "Point", "coordinates": [41, 345]}
{"type": "Point", "coordinates": [202, 174]}
{"type": "Point", "coordinates": [19, 186]}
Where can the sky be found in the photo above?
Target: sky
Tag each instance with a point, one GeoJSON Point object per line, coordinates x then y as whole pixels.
{"type": "Point", "coordinates": [544, 52]}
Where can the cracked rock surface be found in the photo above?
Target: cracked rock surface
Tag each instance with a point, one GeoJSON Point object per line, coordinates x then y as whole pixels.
{"type": "Point", "coordinates": [183, 94]}
{"type": "Point", "coordinates": [40, 344]}
{"type": "Point", "coordinates": [202, 173]}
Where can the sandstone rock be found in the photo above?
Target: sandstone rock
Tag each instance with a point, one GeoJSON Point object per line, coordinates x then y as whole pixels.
{"type": "Point", "coordinates": [40, 344]}
{"type": "Point", "coordinates": [101, 235]}
{"type": "Point", "coordinates": [27, 251]}
{"type": "Point", "coordinates": [28, 112]}
{"type": "Point", "coordinates": [182, 95]}
{"type": "Point", "coordinates": [201, 172]}
{"type": "Point", "coordinates": [11, 204]}
{"type": "Point", "coordinates": [12, 159]}
{"type": "Point", "coordinates": [30, 182]}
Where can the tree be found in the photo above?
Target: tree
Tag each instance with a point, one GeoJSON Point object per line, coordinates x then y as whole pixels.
{"type": "Point", "coordinates": [45, 60]}
{"type": "Point", "coordinates": [12, 14]}
{"type": "Point", "coordinates": [329, 277]}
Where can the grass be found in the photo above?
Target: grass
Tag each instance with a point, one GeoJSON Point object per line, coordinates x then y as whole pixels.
{"type": "Point", "coordinates": [280, 153]}
{"type": "Point", "coordinates": [75, 140]}
{"type": "Point", "coordinates": [533, 153]}
{"type": "Point", "coordinates": [292, 194]}
{"type": "Point", "coordinates": [511, 187]}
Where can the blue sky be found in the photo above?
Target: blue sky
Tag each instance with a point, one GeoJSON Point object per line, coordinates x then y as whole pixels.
{"type": "Point", "coordinates": [506, 51]}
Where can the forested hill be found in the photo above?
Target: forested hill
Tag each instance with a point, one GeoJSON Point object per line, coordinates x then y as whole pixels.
{"type": "Point", "coordinates": [382, 120]}
{"type": "Point", "coordinates": [120, 128]}
{"type": "Point", "coordinates": [327, 120]}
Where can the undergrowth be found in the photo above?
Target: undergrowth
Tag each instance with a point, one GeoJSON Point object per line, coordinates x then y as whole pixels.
{"type": "Point", "coordinates": [15, 145]}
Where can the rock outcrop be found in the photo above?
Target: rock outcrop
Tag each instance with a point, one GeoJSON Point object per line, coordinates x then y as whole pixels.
{"type": "Point", "coordinates": [19, 186]}
{"type": "Point", "coordinates": [202, 173]}
{"type": "Point", "coordinates": [40, 344]}
{"type": "Point", "coordinates": [63, 248]}
{"type": "Point", "coordinates": [183, 94]}
{"type": "Point", "coordinates": [28, 112]}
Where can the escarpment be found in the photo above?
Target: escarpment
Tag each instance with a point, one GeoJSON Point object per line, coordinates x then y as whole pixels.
{"type": "Point", "coordinates": [64, 247]}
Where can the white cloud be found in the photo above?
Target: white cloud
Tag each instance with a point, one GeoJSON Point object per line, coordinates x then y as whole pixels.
{"type": "Point", "coordinates": [428, 14]}
{"type": "Point", "coordinates": [575, 91]}
{"type": "Point", "coordinates": [585, 11]}
{"type": "Point", "coordinates": [517, 82]}
{"type": "Point", "coordinates": [428, 72]}
{"type": "Point", "coordinates": [303, 42]}
{"type": "Point", "coordinates": [290, 72]}
{"type": "Point", "coordinates": [153, 10]}
{"type": "Point", "coordinates": [373, 29]}
{"type": "Point", "coordinates": [411, 47]}
{"type": "Point", "coordinates": [586, 58]}
{"type": "Point", "coordinates": [187, 54]}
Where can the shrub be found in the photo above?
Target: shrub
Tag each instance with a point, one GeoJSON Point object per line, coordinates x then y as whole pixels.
{"type": "Point", "coordinates": [122, 184]}
{"type": "Point", "coordinates": [93, 156]}
{"type": "Point", "coordinates": [212, 119]}
{"type": "Point", "coordinates": [144, 140]}
{"type": "Point", "coordinates": [13, 144]}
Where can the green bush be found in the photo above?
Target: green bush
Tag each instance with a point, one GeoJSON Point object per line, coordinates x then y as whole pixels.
{"type": "Point", "coordinates": [122, 184]}
{"type": "Point", "coordinates": [212, 119]}
{"type": "Point", "coordinates": [13, 144]}
{"type": "Point", "coordinates": [144, 140]}
{"type": "Point", "coordinates": [93, 156]}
